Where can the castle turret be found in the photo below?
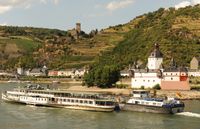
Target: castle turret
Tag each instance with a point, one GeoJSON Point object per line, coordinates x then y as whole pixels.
{"type": "Point", "coordinates": [78, 27]}
{"type": "Point", "coordinates": [155, 59]}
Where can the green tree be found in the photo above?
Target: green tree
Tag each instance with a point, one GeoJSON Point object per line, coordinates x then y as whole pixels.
{"type": "Point", "coordinates": [103, 76]}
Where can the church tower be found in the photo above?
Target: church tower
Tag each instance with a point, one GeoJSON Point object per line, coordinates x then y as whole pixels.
{"type": "Point", "coordinates": [155, 59]}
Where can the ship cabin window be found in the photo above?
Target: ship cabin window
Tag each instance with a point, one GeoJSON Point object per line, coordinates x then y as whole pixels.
{"type": "Point", "coordinates": [100, 103]}
{"type": "Point", "coordinates": [154, 103]}
{"type": "Point", "coordinates": [72, 101]}
{"type": "Point", "coordinates": [81, 101]}
{"type": "Point", "coordinates": [90, 102]}
{"type": "Point", "coordinates": [64, 100]}
{"type": "Point", "coordinates": [68, 100]}
{"type": "Point", "coordinates": [85, 101]}
{"type": "Point", "coordinates": [137, 102]}
{"type": "Point", "coordinates": [147, 103]}
{"type": "Point", "coordinates": [171, 78]}
{"type": "Point", "coordinates": [109, 103]}
{"type": "Point", "coordinates": [76, 101]}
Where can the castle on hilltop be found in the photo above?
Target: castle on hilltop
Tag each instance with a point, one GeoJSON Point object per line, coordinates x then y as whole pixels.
{"type": "Point", "coordinates": [75, 32]}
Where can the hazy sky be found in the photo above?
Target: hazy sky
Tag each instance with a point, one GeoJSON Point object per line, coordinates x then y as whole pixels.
{"type": "Point", "coordinates": [63, 14]}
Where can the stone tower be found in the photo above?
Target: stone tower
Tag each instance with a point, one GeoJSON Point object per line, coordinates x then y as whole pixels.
{"type": "Point", "coordinates": [78, 27]}
{"type": "Point", "coordinates": [155, 59]}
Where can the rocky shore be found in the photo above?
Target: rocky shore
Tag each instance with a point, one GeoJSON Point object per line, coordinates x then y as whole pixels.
{"type": "Point", "coordinates": [183, 95]}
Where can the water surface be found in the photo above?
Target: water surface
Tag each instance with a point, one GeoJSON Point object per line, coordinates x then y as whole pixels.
{"type": "Point", "coordinates": [16, 116]}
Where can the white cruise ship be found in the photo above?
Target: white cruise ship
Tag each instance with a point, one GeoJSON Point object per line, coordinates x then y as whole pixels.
{"type": "Point", "coordinates": [36, 95]}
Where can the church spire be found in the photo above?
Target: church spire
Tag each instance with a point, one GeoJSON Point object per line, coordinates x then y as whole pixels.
{"type": "Point", "coordinates": [156, 53]}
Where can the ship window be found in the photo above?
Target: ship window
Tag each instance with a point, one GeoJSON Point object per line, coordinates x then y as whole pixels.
{"type": "Point", "coordinates": [109, 103]}
{"type": "Point", "coordinates": [153, 80]}
{"type": "Point", "coordinates": [136, 102]}
{"type": "Point", "coordinates": [81, 101]}
{"type": "Point", "coordinates": [68, 100]}
{"type": "Point", "coordinates": [143, 80]}
{"type": "Point", "coordinates": [171, 78]}
{"type": "Point", "coordinates": [76, 101]}
{"type": "Point", "coordinates": [72, 101]}
{"type": "Point", "coordinates": [85, 101]}
{"type": "Point", "coordinates": [154, 103]}
{"type": "Point", "coordinates": [90, 102]}
{"type": "Point", "coordinates": [147, 103]}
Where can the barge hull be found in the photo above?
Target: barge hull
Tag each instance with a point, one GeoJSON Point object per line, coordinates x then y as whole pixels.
{"type": "Point", "coordinates": [152, 109]}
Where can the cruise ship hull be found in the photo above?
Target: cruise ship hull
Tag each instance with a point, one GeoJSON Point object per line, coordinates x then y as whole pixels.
{"type": "Point", "coordinates": [56, 105]}
{"type": "Point", "coordinates": [152, 109]}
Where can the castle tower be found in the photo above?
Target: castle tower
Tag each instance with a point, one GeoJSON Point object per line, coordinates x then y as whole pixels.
{"type": "Point", "coordinates": [155, 59]}
{"type": "Point", "coordinates": [172, 64]}
{"type": "Point", "coordinates": [78, 27]}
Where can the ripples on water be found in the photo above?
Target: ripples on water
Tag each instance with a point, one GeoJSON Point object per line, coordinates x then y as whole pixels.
{"type": "Point", "coordinates": [15, 116]}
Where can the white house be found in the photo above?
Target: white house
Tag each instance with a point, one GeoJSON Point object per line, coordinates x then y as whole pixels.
{"type": "Point", "coordinates": [20, 71]}
{"type": "Point", "coordinates": [146, 79]}
{"type": "Point", "coordinates": [124, 73]}
{"type": "Point", "coordinates": [194, 73]}
{"type": "Point", "coordinates": [66, 73]}
{"type": "Point", "coordinates": [150, 76]}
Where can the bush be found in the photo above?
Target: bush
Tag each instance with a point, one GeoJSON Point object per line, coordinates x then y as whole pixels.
{"type": "Point", "coordinates": [121, 86]}
{"type": "Point", "coordinates": [157, 87]}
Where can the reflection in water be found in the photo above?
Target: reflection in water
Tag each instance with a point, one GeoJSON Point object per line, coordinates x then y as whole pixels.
{"type": "Point", "coordinates": [32, 117]}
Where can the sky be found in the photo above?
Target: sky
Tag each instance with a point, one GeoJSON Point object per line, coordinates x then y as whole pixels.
{"type": "Point", "coordinates": [92, 14]}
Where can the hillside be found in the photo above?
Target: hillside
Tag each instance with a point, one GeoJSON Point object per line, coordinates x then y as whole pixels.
{"type": "Point", "coordinates": [176, 31]}
{"type": "Point", "coordinates": [33, 47]}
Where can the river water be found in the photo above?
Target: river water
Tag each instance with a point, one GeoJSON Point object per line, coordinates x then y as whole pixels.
{"type": "Point", "coordinates": [16, 116]}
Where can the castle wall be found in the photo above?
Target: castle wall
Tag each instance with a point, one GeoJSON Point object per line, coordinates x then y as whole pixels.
{"type": "Point", "coordinates": [175, 85]}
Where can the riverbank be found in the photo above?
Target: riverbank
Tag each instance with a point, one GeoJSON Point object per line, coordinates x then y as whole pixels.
{"type": "Point", "coordinates": [46, 80]}
{"type": "Point", "coordinates": [183, 95]}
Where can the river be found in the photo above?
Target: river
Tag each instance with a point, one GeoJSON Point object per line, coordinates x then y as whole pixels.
{"type": "Point", "coordinates": [16, 116]}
